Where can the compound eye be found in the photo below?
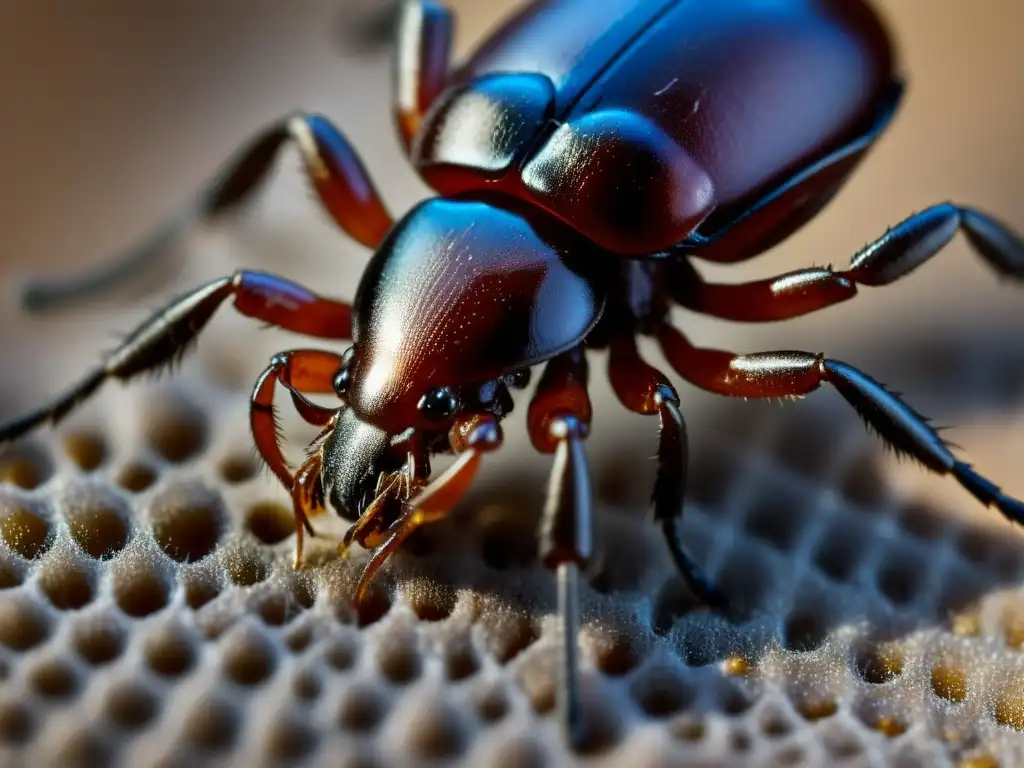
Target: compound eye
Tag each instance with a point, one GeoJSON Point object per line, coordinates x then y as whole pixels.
{"type": "Point", "coordinates": [439, 404]}
{"type": "Point", "coordinates": [521, 378]}
{"type": "Point", "coordinates": [342, 380]}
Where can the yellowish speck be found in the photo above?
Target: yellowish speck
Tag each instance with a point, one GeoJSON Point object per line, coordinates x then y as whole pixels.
{"type": "Point", "coordinates": [890, 726]}
{"type": "Point", "coordinates": [819, 709]}
{"type": "Point", "coordinates": [736, 666]}
{"type": "Point", "coordinates": [965, 626]}
{"type": "Point", "coordinates": [981, 761]}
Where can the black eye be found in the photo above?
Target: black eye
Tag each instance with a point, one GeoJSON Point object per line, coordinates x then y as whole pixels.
{"type": "Point", "coordinates": [342, 379]}
{"type": "Point", "coordinates": [521, 378]}
{"type": "Point", "coordinates": [439, 404]}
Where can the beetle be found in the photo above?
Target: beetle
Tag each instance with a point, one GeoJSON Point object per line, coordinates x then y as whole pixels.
{"type": "Point", "coordinates": [582, 158]}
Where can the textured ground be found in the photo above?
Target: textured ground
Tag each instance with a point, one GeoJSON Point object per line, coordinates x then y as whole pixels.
{"type": "Point", "coordinates": [149, 613]}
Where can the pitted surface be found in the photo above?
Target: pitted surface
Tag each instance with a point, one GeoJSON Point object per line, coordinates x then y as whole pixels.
{"type": "Point", "coordinates": [160, 623]}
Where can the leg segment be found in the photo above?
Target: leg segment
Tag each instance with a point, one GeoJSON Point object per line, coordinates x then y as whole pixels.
{"type": "Point", "coordinates": [422, 51]}
{"type": "Point", "coordinates": [785, 374]}
{"type": "Point", "coordinates": [341, 182]}
{"type": "Point", "coordinates": [471, 436]}
{"type": "Point", "coordinates": [307, 500]}
{"type": "Point", "coordinates": [305, 370]}
{"type": "Point", "coordinates": [897, 253]}
{"type": "Point", "coordinates": [164, 338]}
{"type": "Point", "coordinates": [762, 301]}
{"type": "Point", "coordinates": [369, 31]}
{"type": "Point", "coordinates": [643, 389]}
{"type": "Point", "coordinates": [559, 420]}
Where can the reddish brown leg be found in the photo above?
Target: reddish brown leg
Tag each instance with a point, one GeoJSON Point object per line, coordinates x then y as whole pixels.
{"type": "Point", "coordinates": [367, 529]}
{"type": "Point", "coordinates": [471, 436]}
{"type": "Point", "coordinates": [559, 421]}
{"type": "Point", "coordinates": [422, 52]}
{"type": "Point", "coordinates": [901, 250]}
{"type": "Point", "coordinates": [164, 337]}
{"type": "Point", "coordinates": [644, 389]}
{"type": "Point", "coordinates": [762, 301]}
{"type": "Point", "coordinates": [338, 175]}
{"type": "Point", "coordinates": [305, 370]}
{"type": "Point", "coordinates": [786, 374]}
{"type": "Point", "coordinates": [307, 500]}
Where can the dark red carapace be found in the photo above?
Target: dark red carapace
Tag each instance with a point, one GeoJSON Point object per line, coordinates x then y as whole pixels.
{"type": "Point", "coordinates": [583, 157]}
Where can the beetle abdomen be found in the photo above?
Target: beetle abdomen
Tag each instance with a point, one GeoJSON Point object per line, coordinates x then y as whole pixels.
{"type": "Point", "coordinates": [568, 41]}
{"type": "Point", "coordinates": [752, 89]}
{"type": "Point", "coordinates": [700, 106]}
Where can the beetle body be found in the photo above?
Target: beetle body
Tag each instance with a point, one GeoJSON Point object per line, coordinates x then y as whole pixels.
{"type": "Point", "coordinates": [583, 157]}
{"type": "Point", "coordinates": [619, 139]}
{"type": "Point", "coordinates": [640, 121]}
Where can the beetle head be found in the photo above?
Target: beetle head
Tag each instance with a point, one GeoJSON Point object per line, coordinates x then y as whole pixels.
{"type": "Point", "coordinates": [363, 458]}
{"type": "Point", "coordinates": [366, 458]}
{"type": "Point", "coordinates": [358, 457]}
{"type": "Point", "coordinates": [367, 461]}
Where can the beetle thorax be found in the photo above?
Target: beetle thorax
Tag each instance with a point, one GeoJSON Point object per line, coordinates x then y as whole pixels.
{"type": "Point", "coordinates": [464, 292]}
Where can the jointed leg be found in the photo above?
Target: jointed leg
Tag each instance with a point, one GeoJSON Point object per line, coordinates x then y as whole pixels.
{"type": "Point", "coordinates": [472, 436]}
{"type": "Point", "coordinates": [304, 370]}
{"type": "Point", "coordinates": [761, 301]}
{"type": "Point", "coordinates": [342, 183]}
{"type": "Point", "coordinates": [422, 50]}
{"type": "Point", "coordinates": [369, 30]}
{"type": "Point", "coordinates": [783, 374]}
{"type": "Point", "coordinates": [897, 253]}
{"type": "Point", "coordinates": [162, 339]}
{"type": "Point", "coordinates": [307, 500]}
{"type": "Point", "coordinates": [310, 371]}
{"type": "Point", "coordinates": [559, 420]}
{"type": "Point", "coordinates": [643, 389]}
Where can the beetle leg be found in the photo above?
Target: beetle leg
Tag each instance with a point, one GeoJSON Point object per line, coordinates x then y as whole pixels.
{"type": "Point", "coordinates": [472, 436]}
{"type": "Point", "coordinates": [422, 51]}
{"type": "Point", "coordinates": [341, 181]}
{"type": "Point", "coordinates": [788, 374]}
{"type": "Point", "coordinates": [304, 370]}
{"type": "Point", "coordinates": [367, 528]}
{"type": "Point", "coordinates": [559, 420]}
{"type": "Point", "coordinates": [913, 241]}
{"type": "Point", "coordinates": [762, 301]}
{"type": "Point", "coordinates": [432, 505]}
{"type": "Point", "coordinates": [643, 389]}
{"type": "Point", "coordinates": [307, 500]}
{"type": "Point", "coordinates": [368, 31]}
{"type": "Point", "coordinates": [166, 336]}
{"type": "Point", "coordinates": [898, 252]}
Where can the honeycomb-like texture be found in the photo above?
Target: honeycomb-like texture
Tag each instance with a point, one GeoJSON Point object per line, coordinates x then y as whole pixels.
{"type": "Point", "coordinates": [149, 613]}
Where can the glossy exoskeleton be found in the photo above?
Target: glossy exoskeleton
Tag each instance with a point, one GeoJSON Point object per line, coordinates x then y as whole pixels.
{"type": "Point", "coordinates": [582, 156]}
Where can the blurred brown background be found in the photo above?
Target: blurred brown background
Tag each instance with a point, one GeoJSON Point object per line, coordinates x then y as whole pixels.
{"type": "Point", "coordinates": [116, 110]}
